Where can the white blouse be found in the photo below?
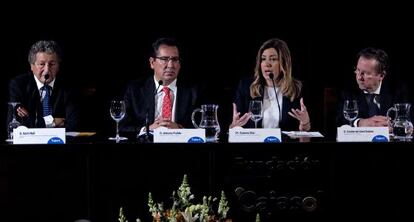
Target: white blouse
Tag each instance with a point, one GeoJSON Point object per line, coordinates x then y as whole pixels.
{"type": "Point", "coordinates": [271, 114]}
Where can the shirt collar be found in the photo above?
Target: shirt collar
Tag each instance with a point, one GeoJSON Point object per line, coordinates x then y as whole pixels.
{"type": "Point", "coordinates": [172, 86]}
{"type": "Point", "coordinates": [376, 92]}
{"type": "Point", "coordinates": [40, 84]}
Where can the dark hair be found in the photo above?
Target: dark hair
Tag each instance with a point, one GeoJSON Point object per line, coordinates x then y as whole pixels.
{"type": "Point", "coordinates": [162, 41]}
{"type": "Point", "coordinates": [48, 47]}
{"type": "Point", "coordinates": [377, 54]}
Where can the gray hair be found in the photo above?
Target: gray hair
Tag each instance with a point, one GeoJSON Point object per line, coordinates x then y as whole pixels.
{"type": "Point", "coordinates": [48, 47]}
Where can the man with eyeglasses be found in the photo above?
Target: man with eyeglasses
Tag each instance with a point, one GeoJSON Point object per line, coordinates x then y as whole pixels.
{"type": "Point", "coordinates": [375, 93]}
{"type": "Point", "coordinates": [160, 100]}
{"type": "Point", "coordinates": [44, 98]}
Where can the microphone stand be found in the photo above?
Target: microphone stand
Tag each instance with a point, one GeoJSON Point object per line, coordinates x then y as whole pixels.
{"type": "Point", "coordinates": [147, 137]}
{"type": "Point", "coordinates": [277, 96]}
{"type": "Point", "coordinates": [41, 98]}
{"type": "Point", "coordinates": [147, 133]}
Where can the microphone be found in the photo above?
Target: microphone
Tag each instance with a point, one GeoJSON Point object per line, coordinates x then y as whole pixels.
{"type": "Point", "coordinates": [277, 97]}
{"type": "Point", "coordinates": [147, 137]}
{"type": "Point", "coordinates": [160, 83]}
{"type": "Point", "coordinates": [147, 121]}
{"type": "Point", "coordinates": [46, 77]}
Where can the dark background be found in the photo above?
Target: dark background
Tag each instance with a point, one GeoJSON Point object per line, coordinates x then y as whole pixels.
{"type": "Point", "coordinates": [72, 181]}
{"type": "Point", "coordinates": [104, 47]}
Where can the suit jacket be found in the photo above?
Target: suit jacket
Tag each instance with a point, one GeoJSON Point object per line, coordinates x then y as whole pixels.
{"type": "Point", "coordinates": [243, 99]}
{"type": "Point", "coordinates": [140, 102]}
{"type": "Point", "coordinates": [23, 89]}
{"type": "Point", "coordinates": [390, 94]}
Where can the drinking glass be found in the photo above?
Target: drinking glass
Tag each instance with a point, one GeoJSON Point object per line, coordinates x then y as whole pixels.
{"type": "Point", "coordinates": [13, 123]}
{"type": "Point", "coordinates": [255, 108]}
{"type": "Point", "coordinates": [350, 110]}
{"type": "Point", "coordinates": [117, 111]}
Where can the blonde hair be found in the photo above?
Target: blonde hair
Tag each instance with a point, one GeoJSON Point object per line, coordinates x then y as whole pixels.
{"type": "Point", "coordinates": [289, 86]}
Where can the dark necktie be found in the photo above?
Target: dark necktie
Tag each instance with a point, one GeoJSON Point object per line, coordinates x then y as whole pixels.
{"type": "Point", "coordinates": [47, 108]}
{"type": "Point", "coordinates": [372, 107]}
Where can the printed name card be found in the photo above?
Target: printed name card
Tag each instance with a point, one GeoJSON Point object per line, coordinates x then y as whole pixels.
{"type": "Point", "coordinates": [241, 135]}
{"type": "Point", "coordinates": [362, 134]}
{"type": "Point", "coordinates": [24, 135]}
{"type": "Point", "coordinates": [165, 135]}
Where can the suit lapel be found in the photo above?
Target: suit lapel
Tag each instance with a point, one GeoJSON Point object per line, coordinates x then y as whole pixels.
{"type": "Point", "coordinates": [286, 106]}
{"type": "Point", "coordinates": [363, 105]}
{"type": "Point", "coordinates": [34, 104]}
{"type": "Point", "coordinates": [385, 99]}
{"type": "Point", "coordinates": [149, 97]}
{"type": "Point", "coordinates": [32, 90]}
{"type": "Point", "coordinates": [181, 103]}
{"type": "Point", "coordinates": [56, 94]}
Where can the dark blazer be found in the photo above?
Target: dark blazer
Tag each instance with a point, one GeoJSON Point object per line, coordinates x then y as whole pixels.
{"type": "Point", "coordinates": [139, 99]}
{"type": "Point", "coordinates": [243, 99]}
{"type": "Point", "coordinates": [23, 89]}
{"type": "Point", "coordinates": [391, 93]}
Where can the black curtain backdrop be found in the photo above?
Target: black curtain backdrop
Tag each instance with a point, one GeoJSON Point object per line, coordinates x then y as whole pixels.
{"type": "Point", "coordinates": [103, 50]}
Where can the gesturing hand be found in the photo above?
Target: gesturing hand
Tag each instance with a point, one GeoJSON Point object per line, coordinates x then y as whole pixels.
{"type": "Point", "coordinates": [237, 120]}
{"type": "Point", "coordinates": [302, 115]}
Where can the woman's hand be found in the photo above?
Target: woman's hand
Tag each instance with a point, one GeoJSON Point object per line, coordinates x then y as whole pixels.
{"type": "Point", "coordinates": [302, 115]}
{"type": "Point", "coordinates": [237, 120]}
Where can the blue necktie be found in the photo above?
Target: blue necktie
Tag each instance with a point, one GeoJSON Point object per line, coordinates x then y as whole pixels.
{"type": "Point", "coordinates": [47, 109]}
{"type": "Point", "coordinates": [372, 107]}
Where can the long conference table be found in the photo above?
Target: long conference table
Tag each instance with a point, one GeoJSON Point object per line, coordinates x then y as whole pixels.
{"type": "Point", "coordinates": [283, 182]}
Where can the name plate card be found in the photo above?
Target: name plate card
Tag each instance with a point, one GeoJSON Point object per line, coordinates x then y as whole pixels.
{"type": "Point", "coordinates": [240, 135]}
{"type": "Point", "coordinates": [24, 135]}
{"type": "Point", "coordinates": [362, 134]}
{"type": "Point", "coordinates": [165, 135]}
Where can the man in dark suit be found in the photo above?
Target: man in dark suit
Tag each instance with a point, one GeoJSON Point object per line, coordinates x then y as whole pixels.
{"type": "Point", "coordinates": [375, 93]}
{"type": "Point", "coordinates": [44, 100]}
{"type": "Point", "coordinates": [160, 99]}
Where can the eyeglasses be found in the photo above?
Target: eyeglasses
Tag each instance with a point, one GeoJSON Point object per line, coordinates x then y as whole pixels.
{"type": "Point", "coordinates": [364, 73]}
{"type": "Point", "coordinates": [165, 59]}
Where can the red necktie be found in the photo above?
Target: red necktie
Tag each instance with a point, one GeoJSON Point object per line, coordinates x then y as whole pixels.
{"type": "Point", "coordinates": [166, 103]}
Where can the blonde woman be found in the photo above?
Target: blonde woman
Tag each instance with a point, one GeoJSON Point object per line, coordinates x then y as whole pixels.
{"type": "Point", "coordinates": [273, 84]}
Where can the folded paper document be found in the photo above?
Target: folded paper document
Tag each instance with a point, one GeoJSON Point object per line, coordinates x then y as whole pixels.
{"type": "Point", "coordinates": [80, 134]}
{"type": "Point", "coordinates": [302, 134]}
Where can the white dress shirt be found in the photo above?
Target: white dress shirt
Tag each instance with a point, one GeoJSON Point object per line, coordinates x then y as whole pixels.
{"type": "Point", "coordinates": [271, 115]}
{"type": "Point", "coordinates": [40, 85]}
{"type": "Point", "coordinates": [160, 96]}
{"type": "Point", "coordinates": [377, 92]}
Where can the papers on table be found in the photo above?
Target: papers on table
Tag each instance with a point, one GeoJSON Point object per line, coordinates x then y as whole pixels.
{"type": "Point", "coordinates": [296, 134]}
{"type": "Point", "coordinates": [80, 134]}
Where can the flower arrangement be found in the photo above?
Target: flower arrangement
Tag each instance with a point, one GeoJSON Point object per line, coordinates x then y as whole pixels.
{"type": "Point", "coordinates": [183, 210]}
